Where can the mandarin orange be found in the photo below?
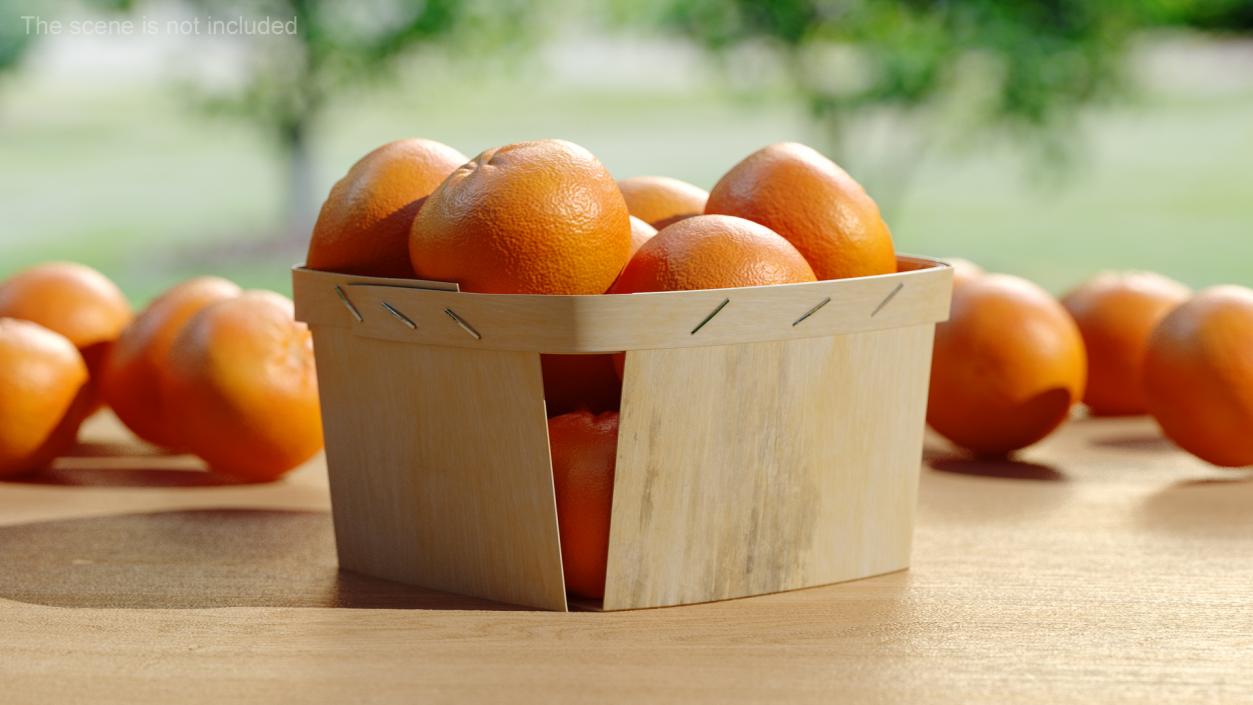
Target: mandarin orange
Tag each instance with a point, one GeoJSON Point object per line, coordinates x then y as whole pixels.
{"type": "Point", "coordinates": [580, 382]}
{"type": "Point", "coordinates": [72, 299]}
{"type": "Point", "coordinates": [661, 200]}
{"type": "Point", "coordinates": [364, 224]}
{"type": "Point", "coordinates": [42, 388]}
{"type": "Point", "coordinates": [242, 369]}
{"type": "Point", "coordinates": [641, 233]}
{"type": "Point", "coordinates": [132, 377]}
{"type": "Point", "coordinates": [584, 451]}
{"type": "Point", "coordinates": [1007, 366]}
{"type": "Point", "coordinates": [1116, 312]}
{"type": "Point", "coordinates": [713, 252]}
{"type": "Point", "coordinates": [1198, 375]}
{"type": "Point", "coordinates": [963, 270]}
{"type": "Point", "coordinates": [540, 217]}
{"type": "Point", "coordinates": [816, 205]}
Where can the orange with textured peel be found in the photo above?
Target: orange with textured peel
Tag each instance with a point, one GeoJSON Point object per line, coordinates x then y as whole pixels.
{"type": "Point", "coordinates": [713, 252]}
{"type": "Point", "coordinates": [539, 217]}
{"type": "Point", "coordinates": [364, 224]}
{"type": "Point", "coordinates": [710, 252]}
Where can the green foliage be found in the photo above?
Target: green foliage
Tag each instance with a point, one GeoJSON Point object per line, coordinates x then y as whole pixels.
{"type": "Point", "coordinates": [1228, 16]}
{"type": "Point", "coordinates": [1034, 62]}
{"type": "Point", "coordinates": [14, 41]}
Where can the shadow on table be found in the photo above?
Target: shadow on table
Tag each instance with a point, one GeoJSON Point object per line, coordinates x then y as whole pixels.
{"type": "Point", "coordinates": [124, 477]}
{"type": "Point", "coordinates": [1004, 468]}
{"type": "Point", "coordinates": [124, 464]}
{"type": "Point", "coordinates": [1147, 442]}
{"type": "Point", "coordinates": [197, 559]}
{"type": "Point", "coordinates": [1243, 478]}
{"type": "Point", "coordinates": [1210, 507]}
{"type": "Point", "coordinates": [115, 449]}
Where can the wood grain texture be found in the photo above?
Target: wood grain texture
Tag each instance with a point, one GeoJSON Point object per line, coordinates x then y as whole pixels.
{"type": "Point", "coordinates": [440, 469]}
{"type": "Point", "coordinates": [1104, 566]}
{"type": "Point", "coordinates": [609, 323]}
{"type": "Point", "coordinates": [746, 469]}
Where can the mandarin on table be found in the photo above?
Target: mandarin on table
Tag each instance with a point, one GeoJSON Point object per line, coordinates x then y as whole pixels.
{"type": "Point", "coordinates": [1007, 366]}
{"type": "Point", "coordinates": [132, 377]}
{"type": "Point", "coordinates": [1198, 375]}
{"type": "Point", "coordinates": [72, 299]}
{"type": "Point", "coordinates": [584, 451]}
{"type": "Point", "coordinates": [816, 205]}
{"type": "Point", "coordinates": [963, 270]}
{"type": "Point", "coordinates": [243, 369]}
{"type": "Point", "coordinates": [42, 388]}
{"type": "Point", "coordinates": [364, 224]}
{"type": "Point", "coordinates": [661, 200]}
{"type": "Point", "coordinates": [541, 217]}
{"type": "Point", "coordinates": [1116, 312]}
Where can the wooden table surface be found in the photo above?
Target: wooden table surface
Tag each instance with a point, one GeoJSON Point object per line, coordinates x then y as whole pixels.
{"type": "Point", "coordinates": [1104, 566]}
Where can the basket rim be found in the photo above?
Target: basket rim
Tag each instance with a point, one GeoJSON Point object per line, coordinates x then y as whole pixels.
{"type": "Point", "coordinates": [437, 313]}
{"type": "Point", "coordinates": [917, 262]}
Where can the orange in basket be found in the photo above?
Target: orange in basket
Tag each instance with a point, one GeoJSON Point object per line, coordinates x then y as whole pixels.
{"type": "Point", "coordinates": [541, 217]}
{"type": "Point", "coordinates": [364, 224]}
{"type": "Point", "coordinates": [641, 233]}
{"type": "Point", "coordinates": [661, 200]}
{"type": "Point", "coordinates": [580, 382]}
{"type": "Point", "coordinates": [805, 197]}
{"type": "Point", "coordinates": [713, 252]}
{"type": "Point", "coordinates": [584, 446]}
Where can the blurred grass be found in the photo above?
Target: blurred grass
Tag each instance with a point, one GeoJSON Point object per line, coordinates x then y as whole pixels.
{"type": "Point", "coordinates": [129, 181]}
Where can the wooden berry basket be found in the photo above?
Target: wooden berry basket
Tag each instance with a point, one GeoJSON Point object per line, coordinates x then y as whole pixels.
{"type": "Point", "coordinates": [769, 438]}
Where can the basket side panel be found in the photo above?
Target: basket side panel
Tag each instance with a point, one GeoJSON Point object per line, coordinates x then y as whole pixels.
{"type": "Point", "coordinates": [439, 467]}
{"type": "Point", "coordinates": [754, 468]}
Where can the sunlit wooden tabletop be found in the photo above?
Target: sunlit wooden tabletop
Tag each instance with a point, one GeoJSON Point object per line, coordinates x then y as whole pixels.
{"type": "Point", "coordinates": [1104, 566]}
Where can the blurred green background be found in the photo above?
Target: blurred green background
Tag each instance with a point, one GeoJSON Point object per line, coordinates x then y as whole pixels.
{"type": "Point", "coordinates": [1047, 139]}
